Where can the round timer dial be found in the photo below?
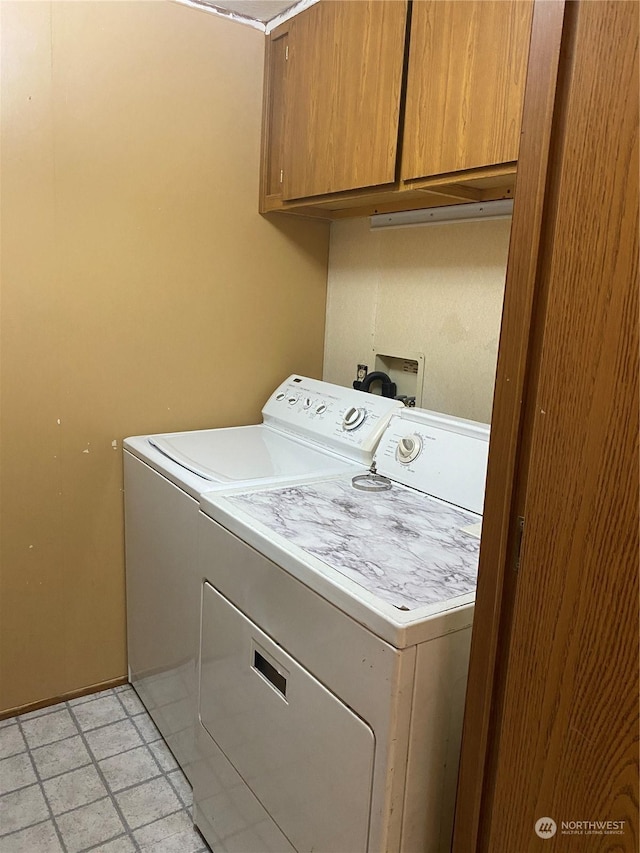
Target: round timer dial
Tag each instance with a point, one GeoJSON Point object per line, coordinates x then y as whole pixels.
{"type": "Point", "coordinates": [353, 418]}
{"type": "Point", "coordinates": [408, 449]}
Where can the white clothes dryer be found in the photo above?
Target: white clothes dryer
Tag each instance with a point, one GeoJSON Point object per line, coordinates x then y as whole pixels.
{"type": "Point", "coordinates": [309, 427]}
{"type": "Point", "coordinates": [335, 633]}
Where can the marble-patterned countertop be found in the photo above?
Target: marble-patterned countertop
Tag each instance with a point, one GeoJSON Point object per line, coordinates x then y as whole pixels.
{"type": "Point", "coordinates": [405, 547]}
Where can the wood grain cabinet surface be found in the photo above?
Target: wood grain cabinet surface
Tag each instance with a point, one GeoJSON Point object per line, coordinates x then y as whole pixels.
{"type": "Point", "coordinates": [333, 81]}
{"type": "Point", "coordinates": [345, 77]}
{"type": "Point", "coordinates": [465, 85]}
{"type": "Point", "coordinates": [379, 105]}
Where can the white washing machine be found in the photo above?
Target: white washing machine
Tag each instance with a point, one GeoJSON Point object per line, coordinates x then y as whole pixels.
{"type": "Point", "coordinates": [335, 633]}
{"type": "Point", "coordinates": [309, 427]}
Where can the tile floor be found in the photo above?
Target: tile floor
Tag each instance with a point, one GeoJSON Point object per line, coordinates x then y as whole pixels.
{"type": "Point", "coordinates": [92, 774]}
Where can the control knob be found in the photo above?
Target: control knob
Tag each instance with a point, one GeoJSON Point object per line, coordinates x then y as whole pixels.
{"type": "Point", "coordinates": [408, 449]}
{"type": "Point", "coordinates": [353, 418]}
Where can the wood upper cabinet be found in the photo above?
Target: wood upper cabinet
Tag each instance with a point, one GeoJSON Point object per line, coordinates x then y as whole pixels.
{"type": "Point", "coordinates": [344, 79]}
{"type": "Point", "coordinates": [374, 105]}
{"type": "Point", "coordinates": [465, 85]}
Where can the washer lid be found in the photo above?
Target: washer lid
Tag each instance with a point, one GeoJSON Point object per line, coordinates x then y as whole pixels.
{"type": "Point", "coordinates": [245, 453]}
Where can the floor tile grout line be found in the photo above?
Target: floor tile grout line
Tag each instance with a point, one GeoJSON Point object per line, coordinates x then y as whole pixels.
{"type": "Point", "coordinates": [43, 745]}
{"type": "Point", "coordinates": [161, 773]}
{"type": "Point", "coordinates": [105, 783]}
{"type": "Point", "coordinates": [162, 817]}
{"type": "Point", "coordinates": [31, 784]}
{"type": "Point", "coordinates": [97, 847]}
{"type": "Point", "coordinates": [92, 759]}
{"type": "Point", "coordinates": [30, 826]}
{"type": "Point", "coordinates": [128, 788]}
{"type": "Point", "coordinates": [175, 787]}
{"type": "Point", "coordinates": [166, 773]}
{"type": "Point", "coordinates": [72, 769]}
{"type": "Point", "coordinates": [126, 710]}
{"type": "Point", "coordinates": [162, 770]}
{"type": "Point", "coordinates": [127, 831]}
{"type": "Point", "coordinates": [165, 837]}
{"type": "Point", "coordinates": [69, 708]}
{"type": "Point", "coordinates": [42, 790]}
{"type": "Point", "coordinates": [124, 790]}
{"type": "Point", "coordinates": [148, 744]}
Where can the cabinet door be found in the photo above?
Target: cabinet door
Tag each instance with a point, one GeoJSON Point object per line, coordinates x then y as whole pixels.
{"type": "Point", "coordinates": [465, 85]}
{"type": "Point", "coordinates": [343, 96]}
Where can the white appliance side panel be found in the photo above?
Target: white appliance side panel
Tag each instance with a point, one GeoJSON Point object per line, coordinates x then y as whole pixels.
{"type": "Point", "coordinates": [434, 747]}
{"type": "Point", "coordinates": [303, 753]}
{"type": "Point", "coordinates": [163, 601]}
{"type": "Point", "coordinates": [225, 811]}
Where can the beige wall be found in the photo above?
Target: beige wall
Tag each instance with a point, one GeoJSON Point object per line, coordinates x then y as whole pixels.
{"type": "Point", "coordinates": [435, 290]}
{"type": "Point", "coordinates": [141, 291]}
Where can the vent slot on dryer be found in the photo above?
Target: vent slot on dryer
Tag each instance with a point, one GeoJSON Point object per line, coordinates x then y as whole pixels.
{"type": "Point", "coordinates": [268, 671]}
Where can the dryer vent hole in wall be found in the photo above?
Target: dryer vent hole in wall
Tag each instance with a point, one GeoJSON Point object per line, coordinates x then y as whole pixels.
{"type": "Point", "coordinates": [397, 376]}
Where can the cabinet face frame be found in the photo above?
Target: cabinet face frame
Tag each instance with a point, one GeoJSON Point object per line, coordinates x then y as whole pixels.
{"type": "Point", "coordinates": [465, 85]}
{"type": "Point", "coordinates": [273, 117]}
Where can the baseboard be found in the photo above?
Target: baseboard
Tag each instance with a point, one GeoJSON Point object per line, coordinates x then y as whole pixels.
{"type": "Point", "coordinates": [65, 697]}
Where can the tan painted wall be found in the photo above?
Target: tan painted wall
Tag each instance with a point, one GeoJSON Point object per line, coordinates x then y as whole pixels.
{"type": "Point", "coordinates": [141, 291]}
{"type": "Point", "coordinates": [435, 290]}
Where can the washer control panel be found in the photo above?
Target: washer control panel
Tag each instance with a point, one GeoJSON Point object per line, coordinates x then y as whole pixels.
{"type": "Point", "coordinates": [347, 421]}
{"type": "Point", "coordinates": [441, 455]}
